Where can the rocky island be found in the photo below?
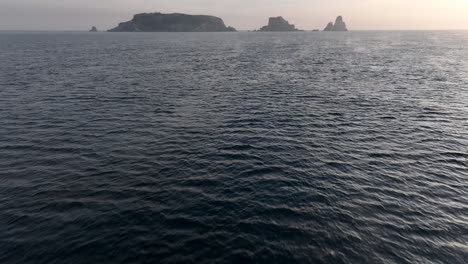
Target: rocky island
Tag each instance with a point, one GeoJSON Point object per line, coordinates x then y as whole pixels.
{"type": "Point", "coordinates": [278, 24]}
{"type": "Point", "coordinates": [93, 29]}
{"type": "Point", "coordinates": [339, 25]}
{"type": "Point", "coordinates": [158, 22]}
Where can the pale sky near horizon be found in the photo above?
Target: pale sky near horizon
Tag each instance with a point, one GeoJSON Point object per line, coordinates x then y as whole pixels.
{"type": "Point", "coordinates": [242, 14]}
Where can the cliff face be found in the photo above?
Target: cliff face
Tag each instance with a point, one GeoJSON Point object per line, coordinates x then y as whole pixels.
{"type": "Point", "coordinates": [157, 22]}
{"type": "Point", "coordinates": [278, 24]}
{"type": "Point", "coordinates": [339, 25]}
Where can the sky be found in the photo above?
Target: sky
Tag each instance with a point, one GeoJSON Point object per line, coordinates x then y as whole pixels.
{"type": "Point", "coordinates": [242, 14]}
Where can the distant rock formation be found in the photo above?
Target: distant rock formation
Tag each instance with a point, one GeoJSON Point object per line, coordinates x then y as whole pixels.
{"type": "Point", "coordinates": [158, 22]}
{"type": "Point", "coordinates": [278, 24]}
{"type": "Point", "coordinates": [339, 25]}
{"type": "Point", "coordinates": [93, 29]}
{"type": "Point", "coordinates": [329, 27]}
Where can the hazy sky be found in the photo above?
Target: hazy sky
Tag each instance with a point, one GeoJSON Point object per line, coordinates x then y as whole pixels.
{"type": "Point", "coordinates": [242, 14]}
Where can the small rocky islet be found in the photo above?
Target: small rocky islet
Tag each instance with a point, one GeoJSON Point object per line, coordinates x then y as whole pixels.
{"type": "Point", "coordinates": [176, 22]}
{"type": "Point", "coordinates": [278, 24]}
{"type": "Point", "coordinates": [339, 25]}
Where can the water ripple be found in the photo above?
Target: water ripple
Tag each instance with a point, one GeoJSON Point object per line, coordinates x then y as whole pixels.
{"type": "Point", "coordinates": [232, 148]}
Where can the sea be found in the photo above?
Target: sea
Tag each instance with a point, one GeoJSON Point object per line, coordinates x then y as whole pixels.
{"type": "Point", "coordinates": [249, 147]}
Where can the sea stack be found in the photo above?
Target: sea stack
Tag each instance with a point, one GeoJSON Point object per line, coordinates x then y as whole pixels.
{"type": "Point", "coordinates": [278, 24]}
{"type": "Point", "coordinates": [93, 29]}
{"type": "Point", "coordinates": [158, 22]}
{"type": "Point", "coordinates": [329, 27]}
{"type": "Point", "coordinates": [339, 25]}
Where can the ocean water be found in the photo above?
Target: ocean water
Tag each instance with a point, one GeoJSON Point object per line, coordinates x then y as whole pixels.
{"type": "Point", "coordinates": [234, 147]}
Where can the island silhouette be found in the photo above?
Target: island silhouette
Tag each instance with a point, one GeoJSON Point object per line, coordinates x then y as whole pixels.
{"type": "Point", "coordinates": [177, 22]}
{"type": "Point", "coordinates": [278, 24]}
{"type": "Point", "coordinates": [339, 25]}
{"type": "Point", "coordinates": [158, 22]}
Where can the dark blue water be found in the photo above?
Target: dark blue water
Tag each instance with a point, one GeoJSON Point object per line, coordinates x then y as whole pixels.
{"type": "Point", "coordinates": [234, 147]}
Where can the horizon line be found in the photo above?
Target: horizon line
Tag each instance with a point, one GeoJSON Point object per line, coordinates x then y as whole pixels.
{"type": "Point", "coordinates": [239, 30]}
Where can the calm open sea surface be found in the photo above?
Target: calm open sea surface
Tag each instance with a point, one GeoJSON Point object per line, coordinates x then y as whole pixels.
{"type": "Point", "coordinates": [234, 147]}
